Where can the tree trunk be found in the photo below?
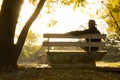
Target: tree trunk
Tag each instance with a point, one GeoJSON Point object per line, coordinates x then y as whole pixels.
{"type": "Point", "coordinates": [8, 19]}
{"type": "Point", "coordinates": [9, 52]}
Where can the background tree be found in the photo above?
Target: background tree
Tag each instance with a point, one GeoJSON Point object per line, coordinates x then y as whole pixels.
{"type": "Point", "coordinates": [31, 46]}
{"type": "Point", "coordinates": [112, 16]}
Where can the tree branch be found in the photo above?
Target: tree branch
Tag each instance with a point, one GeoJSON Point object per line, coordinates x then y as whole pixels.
{"type": "Point", "coordinates": [22, 36]}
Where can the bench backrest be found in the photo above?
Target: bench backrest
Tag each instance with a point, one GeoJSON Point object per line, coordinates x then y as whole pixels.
{"type": "Point", "coordinates": [71, 40]}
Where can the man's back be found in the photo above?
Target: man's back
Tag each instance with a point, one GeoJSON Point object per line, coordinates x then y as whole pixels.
{"type": "Point", "coordinates": [92, 30]}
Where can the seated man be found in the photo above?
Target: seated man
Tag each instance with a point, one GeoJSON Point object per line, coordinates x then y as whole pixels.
{"type": "Point", "coordinates": [91, 30]}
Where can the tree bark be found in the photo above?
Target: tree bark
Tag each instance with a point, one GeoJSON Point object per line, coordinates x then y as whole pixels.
{"type": "Point", "coordinates": [8, 19]}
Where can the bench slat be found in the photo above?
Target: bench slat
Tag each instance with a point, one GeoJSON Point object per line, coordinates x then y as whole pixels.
{"type": "Point", "coordinates": [98, 36]}
{"type": "Point", "coordinates": [79, 44]}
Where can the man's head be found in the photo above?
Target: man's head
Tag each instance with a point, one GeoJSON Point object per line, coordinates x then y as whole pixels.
{"type": "Point", "coordinates": [91, 23]}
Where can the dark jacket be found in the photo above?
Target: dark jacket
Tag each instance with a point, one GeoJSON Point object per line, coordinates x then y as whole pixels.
{"type": "Point", "coordinates": [92, 30]}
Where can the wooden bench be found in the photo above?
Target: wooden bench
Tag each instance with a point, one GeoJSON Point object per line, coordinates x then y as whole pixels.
{"type": "Point", "coordinates": [56, 53]}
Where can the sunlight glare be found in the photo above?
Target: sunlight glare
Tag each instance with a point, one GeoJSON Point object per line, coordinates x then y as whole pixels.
{"type": "Point", "coordinates": [1, 3]}
{"type": "Point", "coordinates": [67, 18]}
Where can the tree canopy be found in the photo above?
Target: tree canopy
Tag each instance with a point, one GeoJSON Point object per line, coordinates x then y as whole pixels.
{"type": "Point", "coordinates": [112, 16]}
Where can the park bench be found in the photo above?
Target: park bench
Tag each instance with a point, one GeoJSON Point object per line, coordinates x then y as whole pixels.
{"type": "Point", "coordinates": [58, 53]}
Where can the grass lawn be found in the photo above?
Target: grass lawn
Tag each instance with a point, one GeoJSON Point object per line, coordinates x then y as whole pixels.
{"type": "Point", "coordinates": [34, 72]}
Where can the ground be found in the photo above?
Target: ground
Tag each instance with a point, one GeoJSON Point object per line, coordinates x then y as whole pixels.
{"type": "Point", "coordinates": [40, 73]}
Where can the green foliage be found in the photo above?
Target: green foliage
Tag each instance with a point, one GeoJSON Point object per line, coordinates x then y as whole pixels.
{"type": "Point", "coordinates": [113, 16]}
{"type": "Point", "coordinates": [31, 45]}
{"type": "Point", "coordinates": [77, 3]}
{"type": "Point", "coordinates": [52, 22]}
{"type": "Point", "coordinates": [28, 54]}
{"type": "Point", "coordinates": [31, 38]}
{"type": "Point", "coordinates": [33, 1]}
{"type": "Point", "coordinates": [30, 48]}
